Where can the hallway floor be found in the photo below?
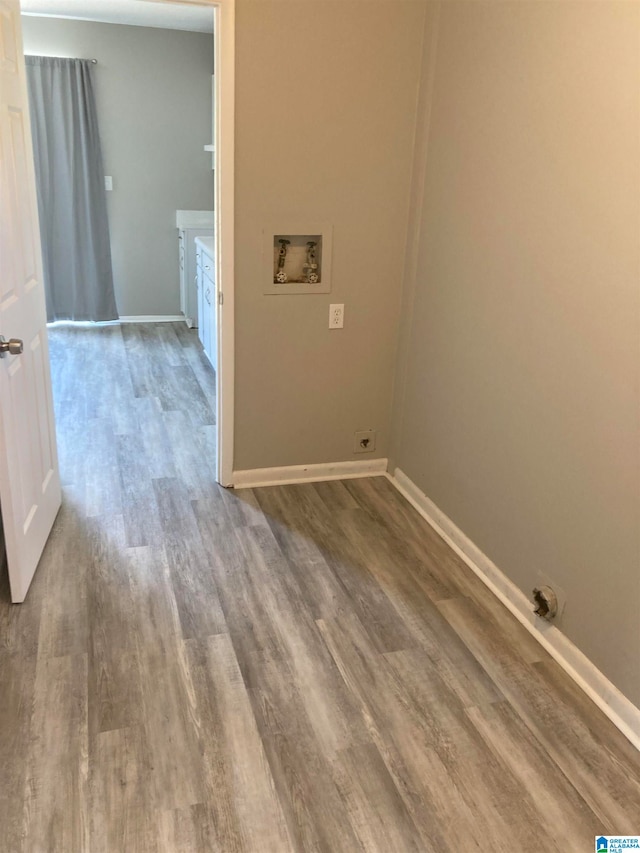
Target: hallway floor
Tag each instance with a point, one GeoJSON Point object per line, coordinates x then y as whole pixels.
{"type": "Point", "coordinates": [301, 668]}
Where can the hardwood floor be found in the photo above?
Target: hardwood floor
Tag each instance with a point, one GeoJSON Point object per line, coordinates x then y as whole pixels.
{"type": "Point", "coordinates": [302, 668]}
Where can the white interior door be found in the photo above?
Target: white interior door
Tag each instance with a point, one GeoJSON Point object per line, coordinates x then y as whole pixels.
{"type": "Point", "coordinates": [29, 477]}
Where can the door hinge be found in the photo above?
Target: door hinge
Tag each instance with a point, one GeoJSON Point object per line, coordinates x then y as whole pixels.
{"type": "Point", "coordinates": [220, 298]}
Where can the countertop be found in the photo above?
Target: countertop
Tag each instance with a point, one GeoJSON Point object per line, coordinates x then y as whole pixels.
{"type": "Point", "coordinates": [195, 219]}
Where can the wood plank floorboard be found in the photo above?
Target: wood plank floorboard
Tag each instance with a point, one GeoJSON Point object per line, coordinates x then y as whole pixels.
{"type": "Point", "coordinates": [280, 670]}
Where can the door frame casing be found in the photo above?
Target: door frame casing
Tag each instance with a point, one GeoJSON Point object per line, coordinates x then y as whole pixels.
{"type": "Point", "coordinates": [224, 141]}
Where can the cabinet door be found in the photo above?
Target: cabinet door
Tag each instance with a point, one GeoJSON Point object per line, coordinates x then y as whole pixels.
{"type": "Point", "coordinates": [206, 314]}
{"type": "Point", "coordinates": [200, 297]}
{"type": "Point", "coordinates": [210, 306]}
{"type": "Point", "coordinates": [207, 265]}
{"type": "Point", "coordinates": [213, 328]}
{"type": "Point", "coordinates": [183, 286]}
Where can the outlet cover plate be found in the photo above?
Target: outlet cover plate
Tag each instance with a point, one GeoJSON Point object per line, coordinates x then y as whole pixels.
{"type": "Point", "coordinates": [364, 441]}
{"type": "Point", "coordinates": [543, 579]}
{"type": "Point", "coordinates": [336, 316]}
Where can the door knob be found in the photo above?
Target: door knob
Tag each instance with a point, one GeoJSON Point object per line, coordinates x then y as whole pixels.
{"type": "Point", "coordinates": [14, 346]}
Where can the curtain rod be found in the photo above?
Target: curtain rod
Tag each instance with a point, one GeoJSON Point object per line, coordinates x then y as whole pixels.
{"type": "Point", "coordinates": [92, 61]}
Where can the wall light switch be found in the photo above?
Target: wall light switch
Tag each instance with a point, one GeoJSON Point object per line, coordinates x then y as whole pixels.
{"type": "Point", "coordinates": [108, 183]}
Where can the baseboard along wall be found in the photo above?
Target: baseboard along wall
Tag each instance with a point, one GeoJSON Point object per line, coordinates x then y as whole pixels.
{"type": "Point", "coordinates": [138, 318]}
{"type": "Point", "coordinates": [620, 710]}
{"type": "Point", "coordinates": [153, 318]}
{"type": "Point", "coordinates": [290, 474]}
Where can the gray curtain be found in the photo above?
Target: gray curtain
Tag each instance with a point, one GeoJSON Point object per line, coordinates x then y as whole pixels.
{"type": "Point", "coordinates": [72, 203]}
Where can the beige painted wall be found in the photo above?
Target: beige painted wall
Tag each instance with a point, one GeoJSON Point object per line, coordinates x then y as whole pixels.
{"type": "Point", "coordinates": [517, 388]}
{"type": "Point", "coordinates": [325, 107]}
{"type": "Point", "coordinates": [153, 93]}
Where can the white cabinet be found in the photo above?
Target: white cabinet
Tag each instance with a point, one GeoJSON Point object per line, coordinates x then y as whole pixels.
{"type": "Point", "coordinates": [207, 298]}
{"type": "Point", "coordinates": [190, 224]}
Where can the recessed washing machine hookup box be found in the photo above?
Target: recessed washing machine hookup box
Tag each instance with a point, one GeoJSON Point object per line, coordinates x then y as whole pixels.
{"type": "Point", "coordinates": [297, 258]}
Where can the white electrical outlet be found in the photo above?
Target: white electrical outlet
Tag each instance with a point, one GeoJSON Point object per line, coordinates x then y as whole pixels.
{"type": "Point", "coordinates": [108, 183]}
{"type": "Point", "coordinates": [336, 316]}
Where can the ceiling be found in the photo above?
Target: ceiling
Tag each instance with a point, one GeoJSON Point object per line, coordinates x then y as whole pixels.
{"type": "Point", "coordinates": [137, 13]}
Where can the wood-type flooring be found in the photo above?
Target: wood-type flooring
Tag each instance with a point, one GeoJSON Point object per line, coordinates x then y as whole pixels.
{"type": "Point", "coordinates": [297, 668]}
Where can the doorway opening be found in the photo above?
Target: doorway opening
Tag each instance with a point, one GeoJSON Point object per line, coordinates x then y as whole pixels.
{"type": "Point", "coordinates": [147, 292]}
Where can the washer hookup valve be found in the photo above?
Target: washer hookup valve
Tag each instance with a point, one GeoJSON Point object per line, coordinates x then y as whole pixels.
{"type": "Point", "coordinates": [311, 266]}
{"type": "Point", "coordinates": [281, 276]}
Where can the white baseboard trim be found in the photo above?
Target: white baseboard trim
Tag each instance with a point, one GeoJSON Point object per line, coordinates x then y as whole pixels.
{"type": "Point", "coordinates": [289, 474]}
{"type": "Point", "coordinates": [622, 713]}
{"type": "Point", "coordinates": [154, 318]}
{"type": "Point", "coordinates": [90, 324]}
{"type": "Point", "coordinates": [138, 318]}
